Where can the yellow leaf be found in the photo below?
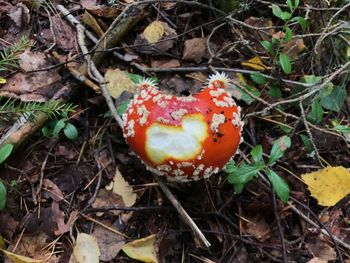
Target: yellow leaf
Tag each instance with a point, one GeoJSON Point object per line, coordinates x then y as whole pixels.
{"type": "Point", "coordinates": [2, 80]}
{"type": "Point", "coordinates": [86, 249]}
{"type": "Point", "coordinates": [154, 32]}
{"type": "Point", "coordinates": [328, 185]}
{"type": "Point", "coordinates": [142, 249]}
{"type": "Point", "coordinates": [20, 259]}
{"type": "Point", "coordinates": [254, 63]}
{"type": "Point", "coordinates": [118, 81]}
{"type": "Point", "coordinates": [121, 187]}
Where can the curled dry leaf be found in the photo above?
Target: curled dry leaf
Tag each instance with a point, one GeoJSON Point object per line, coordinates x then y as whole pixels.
{"type": "Point", "coordinates": [89, 20]}
{"type": "Point", "coordinates": [195, 49]}
{"type": "Point", "coordinates": [121, 187]}
{"type": "Point", "coordinates": [142, 249]}
{"type": "Point", "coordinates": [118, 81]}
{"type": "Point", "coordinates": [86, 249]}
{"type": "Point", "coordinates": [37, 86]}
{"type": "Point", "coordinates": [328, 185]}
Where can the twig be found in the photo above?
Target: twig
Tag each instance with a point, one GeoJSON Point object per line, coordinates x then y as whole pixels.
{"type": "Point", "coordinates": [308, 131]}
{"type": "Point", "coordinates": [324, 230]}
{"type": "Point", "coordinates": [183, 214]}
{"type": "Point", "coordinates": [279, 226]}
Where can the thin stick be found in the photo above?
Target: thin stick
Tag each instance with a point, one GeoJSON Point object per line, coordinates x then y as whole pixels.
{"type": "Point", "coordinates": [182, 212]}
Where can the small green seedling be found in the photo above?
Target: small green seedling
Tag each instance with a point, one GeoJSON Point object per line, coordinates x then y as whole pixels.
{"type": "Point", "coordinates": [240, 175]}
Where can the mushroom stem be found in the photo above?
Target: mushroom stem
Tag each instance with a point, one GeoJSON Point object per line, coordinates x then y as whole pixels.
{"type": "Point", "coordinates": [182, 212]}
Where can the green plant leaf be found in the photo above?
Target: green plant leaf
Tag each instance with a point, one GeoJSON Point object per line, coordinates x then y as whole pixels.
{"type": "Point", "coordinates": [3, 195]}
{"type": "Point", "coordinates": [258, 78]}
{"type": "Point", "coordinates": [46, 131]}
{"type": "Point", "coordinates": [268, 47]}
{"type": "Point", "coordinates": [58, 127]}
{"type": "Point", "coordinates": [121, 108]}
{"type": "Point", "coordinates": [335, 100]}
{"type": "Point", "coordinates": [5, 152]}
{"type": "Point", "coordinates": [257, 154]}
{"type": "Point", "coordinates": [279, 184]}
{"type": "Point", "coordinates": [70, 131]}
{"type": "Point", "coordinates": [307, 143]}
{"type": "Point", "coordinates": [296, 3]}
{"type": "Point", "coordinates": [289, 34]}
{"type": "Point", "coordinates": [285, 128]}
{"type": "Point", "coordinates": [275, 92]}
{"type": "Point", "coordinates": [278, 149]}
{"type": "Point", "coordinates": [341, 128]}
{"type": "Point", "coordinates": [290, 5]}
{"type": "Point", "coordinates": [244, 96]}
{"type": "Point", "coordinates": [285, 63]}
{"type": "Point", "coordinates": [244, 173]}
{"type": "Point", "coordinates": [301, 21]}
{"type": "Point", "coordinates": [316, 113]}
{"type": "Point", "coordinates": [277, 11]}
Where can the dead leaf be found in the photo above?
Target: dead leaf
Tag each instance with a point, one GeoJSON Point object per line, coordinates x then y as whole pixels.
{"type": "Point", "coordinates": [154, 32]}
{"type": "Point", "coordinates": [322, 250]}
{"type": "Point", "coordinates": [102, 11]}
{"type": "Point", "coordinates": [328, 185]}
{"type": "Point", "coordinates": [195, 49]}
{"type": "Point", "coordinates": [88, 3]}
{"type": "Point", "coordinates": [38, 86]}
{"type": "Point", "coordinates": [118, 81]}
{"type": "Point", "coordinates": [106, 198]}
{"type": "Point", "coordinates": [256, 36]}
{"type": "Point", "coordinates": [31, 248]}
{"type": "Point", "coordinates": [53, 190]}
{"type": "Point", "coordinates": [317, 260]}
{"type": "Point", "coordinates": [254, 63]}
{"type": "Point", "coordinates": [58, 217]}
{"type": "Point", "coordinates": [89, 20]}
{"type": "Point", "coordinates": [165, 63]}
{"type": "Point", "coordinates": [257, 227]}
{"type": "Point", "coordinates": [121, 187]}
{"type": "Point", "coordinates": [15, 258]}
{"type": "Point", "coordinates": [110, 243]}
{"type": "Point", "coordinates": [20, 15]}
{"type": "Point", "coordinates": [86, 249]}
{"type": "Point", "coordinates": [142, 249]}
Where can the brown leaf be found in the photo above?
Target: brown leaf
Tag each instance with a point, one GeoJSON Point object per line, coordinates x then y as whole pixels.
{"type": "Point", "coordinates": [109, 242]}
{"type": "Point", "coordinates": [102, 11]}
{"type": "Point", "coordinates": [20, 15]}
{"type": "Point", "coordinates": [321, 250]}
{"type": "Point", "coordinates": [107, 198]}
{"type": "Point", "coordinates": [256, 227]}
{"type": "Point", "coordinates": [195, 49]}
{"type": "Point", "coordinates": [38, 86]}
{"type": "Point", "coordinates": [33, 246]}
{"type": "Point", "coordinates": [58, 217]}
{"type": "Point", "coordinates": [53, 190]}
{"type": "Point", "coordinates": [165, 63]}
{"type": "Point", "coordinates": [89, 3]}
{"type": "Point", "coordinates": [256, 36]}
{"type": "Point", "coordinates": [64, 35]}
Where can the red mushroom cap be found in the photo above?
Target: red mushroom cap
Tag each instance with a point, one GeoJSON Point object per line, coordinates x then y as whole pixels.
{"type": "Point", "coordinates": [184, 138]}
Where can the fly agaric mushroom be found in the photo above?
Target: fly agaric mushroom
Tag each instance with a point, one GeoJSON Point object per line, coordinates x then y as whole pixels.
{"type": "Point", "coordinates": [184, 138]}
